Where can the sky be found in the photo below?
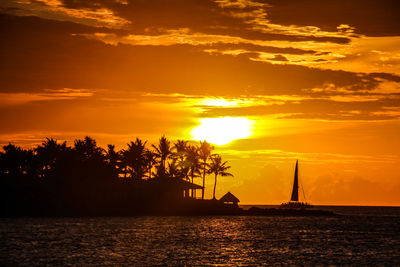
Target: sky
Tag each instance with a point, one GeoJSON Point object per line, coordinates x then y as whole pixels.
{"type": "Point", "coordinates": [266, 81]}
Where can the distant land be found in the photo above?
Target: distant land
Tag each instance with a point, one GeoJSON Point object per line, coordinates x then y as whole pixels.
{"type": "Point", "coordinates": [54, 179]}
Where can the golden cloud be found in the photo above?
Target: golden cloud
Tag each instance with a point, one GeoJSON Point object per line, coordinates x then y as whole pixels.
{"type": "Point", "coordinates": [54, 9]}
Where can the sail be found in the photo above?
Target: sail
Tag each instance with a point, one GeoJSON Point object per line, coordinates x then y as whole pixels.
{"type": "Point", "coordinates": [295, 191]}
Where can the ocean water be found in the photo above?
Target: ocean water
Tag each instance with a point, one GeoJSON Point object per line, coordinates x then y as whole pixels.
{"type": "Point", "coordinates": [364, 236]}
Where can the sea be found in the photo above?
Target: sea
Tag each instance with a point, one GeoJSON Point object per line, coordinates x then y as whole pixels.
{"type": "Point", "coordinates": [361, 236]}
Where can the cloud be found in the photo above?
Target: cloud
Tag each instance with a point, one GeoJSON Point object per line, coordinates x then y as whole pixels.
{"type": "Point", "coordinates": [154, 17]}
{"type": "Point", "coordinates": [315, 93]}
{"type": "Point", "coordinates": [335, 107]}
{"type": "Point", "coordinates": [249, 23]}
{"type": "Point", "coordinates": [279, 58]}
{"type": "Point", "coordinates": [356, 190]}
{"type": "Point", "coordinates": [370, 17]}
{"type": "Point", "coordinates": [92, 15]}
{"type": "Point", "coordinates": [95, 111]}
{"type": "Point", "coordinates": [7, 99]}
{"type": "Point", "coordinates": [369, 54]}
{"type": "Point", "coordinates": [93, 64]}
{"type": "Point", "coordinates": [319, 158]}
{"type": "Point", "coordinates": [255, 15]}
{"type": "Point", "coordinates": [247, 46]}
{"type": "Point", "coordinates": [323, 109]}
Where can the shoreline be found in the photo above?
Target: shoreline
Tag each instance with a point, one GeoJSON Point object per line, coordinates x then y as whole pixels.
{"type": "Point", "coordinates": [254, 211]}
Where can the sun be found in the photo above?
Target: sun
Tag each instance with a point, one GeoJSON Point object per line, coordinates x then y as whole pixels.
{"type": "Point", "coordinates": [223, 130]}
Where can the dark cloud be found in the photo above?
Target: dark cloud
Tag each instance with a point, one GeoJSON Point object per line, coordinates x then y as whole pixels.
{"type": "Point", "coordinates": [259, 48]}
{"type": "Point", "coordinates": [91, 4]}
{"type": "Point", "coordinates": [248, 33]}
{"type": "Point", "coordinates": [386, 76]}
{"type": "Point", "coordinates": [206, 16]}
{"type": "Point", "coordinates": [153, 16]}
{"type": "Point", "coordinates": [369, 17]}
{"type": "Point", "coordinates": [42, 54]}
{"type": "Point", "coordinates": [20, 26]}
{"type": "Point", "coordinates": [381, 109]}
{"type": "Point", "coordinates": [279, 58]}
{"type": "Point", "coordinates": [36, 55]}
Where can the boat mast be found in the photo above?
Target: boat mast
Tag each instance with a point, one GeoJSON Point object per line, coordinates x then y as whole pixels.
{"type": "Point", "coordinates": [295, 190]}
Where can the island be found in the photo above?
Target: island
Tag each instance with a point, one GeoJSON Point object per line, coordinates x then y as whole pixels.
{"type": "Point", "coordinates": [54, 179]}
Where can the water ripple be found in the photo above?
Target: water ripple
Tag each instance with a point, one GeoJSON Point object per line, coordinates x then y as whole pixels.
{"type": "Point", "coordinates": [213, 241]}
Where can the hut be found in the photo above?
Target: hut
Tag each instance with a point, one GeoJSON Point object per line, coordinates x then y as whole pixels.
{"type": "Point", "coordinates": [172, 188]}
{"type": "Point", "coordinates": [230, 199]}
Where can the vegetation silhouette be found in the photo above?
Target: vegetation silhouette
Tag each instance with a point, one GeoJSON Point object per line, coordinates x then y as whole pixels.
{"type": "Point", "coordinates": [218, 167]}
{"type": "Point", "coordinates": [204, 153]}
{"type": "Point", "coordinates": [54, 179]}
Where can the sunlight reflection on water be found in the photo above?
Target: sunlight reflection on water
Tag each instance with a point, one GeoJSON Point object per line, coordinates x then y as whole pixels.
{"type": "Point", "coordinates": [199, 241]}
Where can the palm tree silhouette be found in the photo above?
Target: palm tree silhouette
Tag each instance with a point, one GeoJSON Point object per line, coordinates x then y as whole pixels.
{"type": "Point", "coordinates": [14, 160]}
{"type": "Point", "coordinates": [163, 151]}
{"type": "Point", "coordinates": [150, 159]}
{"type": "Point", "coordinates": [174, 171]}
{"type": "Point", "coordinates": [113, 159]}
{"type": "Point", "coordinates": [193, 162]}
{"type": "Point", "coordinates": [47, 154]}
{"type": "Point", "coordinates": [180, 149]}
{"type": "Point", "coordinates": [134, 158]}
{"type": "Point", "coordinates": [180, 155]}
{"type": "Point", "coordinates": [218, 168]}
{"type": "Point", "coordinates": [88, 149]}
{"type": "Point", "coordinates": [82, 179]}
{"type": "Point", "coordinates": [204, 153]}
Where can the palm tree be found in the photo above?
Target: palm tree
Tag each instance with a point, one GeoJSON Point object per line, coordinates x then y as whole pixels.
{"type": "Point", "coordinates": [163, 151]}
{"type": "Point", "coordinates": [180, 155]}
{"type": "Point", "coordinates": [14, 160]}
{"type": "Point", "coordinates": [204, 153]}
{"type": "Point", "coordinates": [180, 149]}
{"type": "Point", "coordinates": [113, 158]}
{"type": "Point", "coordinates": [218, 168]}
{"type": "Point", "coordinates": [174, 171]}
{"type": "Point", "coordinates": [88, 149]}
{"type": "Point", "coordinates": [193, 162]}
{"type": "Point", "coordinates": [47, 154]}
{"type": "Point", "coordinates": [134, 157]}
{"type": "Point", "coordinates": [184, 168]}
{"type": "Point", "coordinates": [150, 159]}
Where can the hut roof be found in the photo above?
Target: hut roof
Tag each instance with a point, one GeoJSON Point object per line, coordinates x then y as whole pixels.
{"type": "Point", "coordinates": [175, 182]}
{"type": "Point", "coordinates": [188, 185]}
{"type": "Point", "coordinates": [229, 197]}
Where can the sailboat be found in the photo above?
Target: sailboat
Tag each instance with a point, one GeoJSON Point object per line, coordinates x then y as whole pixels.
{"type": "Point", "coordinates": [294, 202]}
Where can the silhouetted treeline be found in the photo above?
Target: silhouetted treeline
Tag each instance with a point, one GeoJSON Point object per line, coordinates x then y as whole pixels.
{"type": "Point", "coordinates": [85, 179]}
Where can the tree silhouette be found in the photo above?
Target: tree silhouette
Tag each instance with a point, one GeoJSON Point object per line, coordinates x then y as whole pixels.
{"type": "Point", "coordinates": [135, 159]}
{"type": "Point", "coordinates": [174, 171]}
{"type": "Point", "coordinates": [180, 149]}
{"type": "Point", "coordinates": [84, 180]}
{"type": "Point", "coordinates": [113, 159]}
{"type": "Point", "coordinates": [47, 154]}
{"type": "Point", "coordinates": [218, 168]}
{"type": "Point", "coordinates": [180, 155]}
{"type": "Point", "coordinates": [87, 149]}
{"type": "Point", "coordinates": [15, 160]}
{"type": "Point", "coordinates": [193, 162]}
{"type": "Point", "coordinates": [150, 160]}
{"type": "Point", "coordinates": [163, 151]}
{"type": "Point", "coordinates": [204, 153]}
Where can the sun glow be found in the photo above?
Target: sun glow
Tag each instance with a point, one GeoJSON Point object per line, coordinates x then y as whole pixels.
{"type": "Point", "coordinates": [221, 131]}
{"type": "Point", "coordinates": [218, 102]}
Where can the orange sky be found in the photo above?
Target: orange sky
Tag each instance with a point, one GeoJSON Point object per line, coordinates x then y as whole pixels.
{"type": "Point", "coordinates": [317, 81]}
